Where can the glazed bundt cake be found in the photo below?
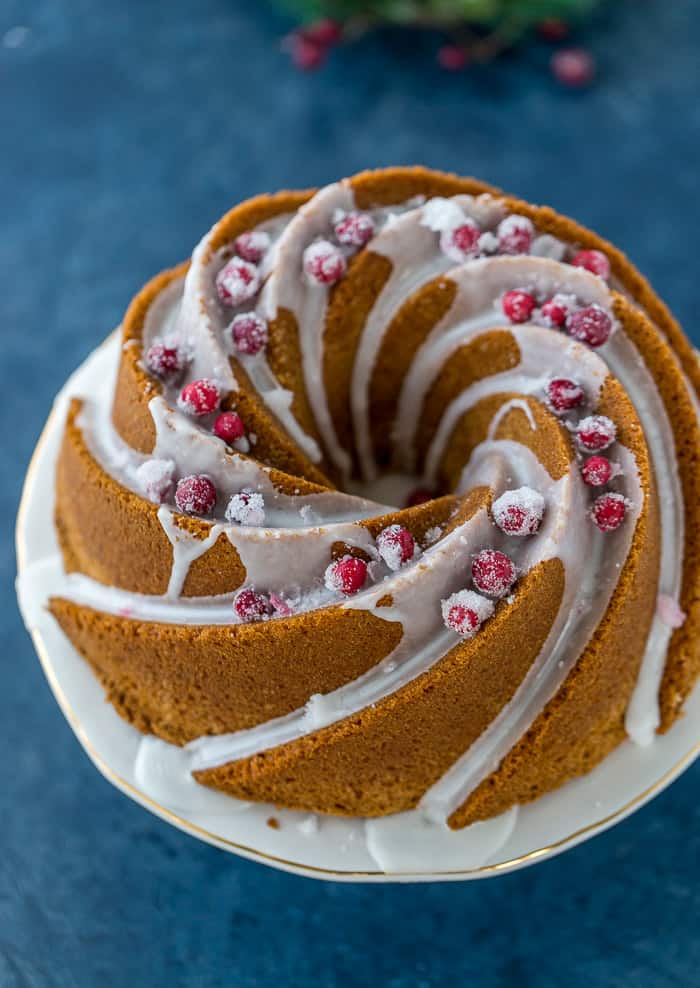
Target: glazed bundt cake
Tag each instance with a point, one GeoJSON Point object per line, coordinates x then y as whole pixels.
{"type": "Point", "coordinates": [392, 503]}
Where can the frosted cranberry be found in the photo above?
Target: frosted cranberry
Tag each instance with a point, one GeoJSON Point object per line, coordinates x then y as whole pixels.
{"type": "Point", "coordinates": [608, 511]}
{"type": "Point", "coordinates": [453, 58]}
{"type": "Point", "coordinates": [249, 333]}
{"type": "Point", "coordinates": [199, 397]}
{"type": "Point", "coordinates": [518, 512]}
{"type": "Point", "coordinates": [573, 67]}
{"type": "Point", "coordinates": [556, 309]}
{"type": "Point", "coordinates": [307, 55]}
{"type": "Point", "coordinates": [346, 575]}
{"type": "Point", "coordinates": [195, 495]}
{"type": "Point", "coordinates": [323, 263]}
{"type": "Point", "coordinates": [155, 479]}
{"type": "Point", "coordinates": [396, 546]}
{"type": "Point", "coordinates": [251, 606]}
{"type": "Point", "coordinates": [518, 306]}
{"type": "Point", "coordinates": [237, 281]}
{"type": "Point", "coordinates": [515, 234]}
{"type": "Point", "coordinates": [465, 612]}
{"type": "Point", "coordinates": [564, 394]}
{"type": "Point", "coordinates": [166, 362]}
{"type": "Point", "coordinates": [325, 32]}
{"type": "Point", "coordinates": [281, 606]}
{"type": "Point", "coordinates": [594, 261]}
{"type": "Point", "coordinates": [596, 471]}
{"type": "Point", "coordinates": [591, 325]}
{"type": "Point", "coordinates": [595, 432]}
{"type": "Point", "coordinates": [461, 242]}
{"type": "Point", "coordinates": [355, 229]}
{"type": "Point", "coordinates": [252, 245]}
{"type": "Point", "coordinates": [229, 427]}
{"type": "Point", "coordinates": [421, 495]}
{"type": "Point", "coordinates": [246, 508]}
{"type": "Point", "coordinates": [493, 573]}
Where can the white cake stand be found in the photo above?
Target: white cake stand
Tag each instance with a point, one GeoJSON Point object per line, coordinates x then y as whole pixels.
{"type": "Point", "coordinates": [400, 848]}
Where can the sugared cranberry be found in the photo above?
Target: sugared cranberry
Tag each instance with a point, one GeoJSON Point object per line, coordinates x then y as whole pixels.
{"type": "Point", "coordinates": [396, 546]}
{"type": "Point", "coordinates": [608, 511]}
{"type": "Point", "coordinates": [199, 397]}
{"type": "Point", "coordinates": [596, 471]}
{"type": "Point", "coordinates": [246, 508]}
{"type": "Point", "coordinates": [307, 55]}
{"type": "Point", "coordinates": [465, 612]}
{"type": "Point", "coordinates": [346, 575]}
{"type": "Point", "coordinates": [564, 394]}
{"type": "Point", "coordinates": [595, 432]}
{"type": "Point", "coordinates": [493, 572]}
{"type": "Point", "coordinates": [252, 245]}
{"type": "Point", "coordinates": [155, 479]}
{"type": "Point", "coordinates": [195, 495]}
{"type": "Point", "coordinates": [453, 58]}
{"type": "Point", "coordinates": [325, 32]}
{"type": "Point", "coordinates": [557, 308]}
{"type": "Point", "coordinates": [518, 306]}
{"type": "Point", "coordinates": [421, 495]}
{"type": "Point", "coordinates": [238, 281]}
{"type": "Point", "coordinates": [594, 261]}
{"type": "Point", "coordinates": [251, 606]}
{"type": "Point", "coordinates": [573, 67]}
{"type": "Point", "coordinates": [518, 512]}
{"type": "Point", "coordinates": [281, 606]}
{"type": "Point", "coordinates": [249, 333]}
{"type": "Point", "coordinates": [515, 234]}
{"type": "Point", "coordinates": [461, 242]}
{"type": "Point", "coordinates": [323, 263]}
{"type": "Point", "coordinates": [354, 229]}
{"type": "Point", "coordinates": [591, 325]}
{"type": "Point", "coordinates": [229, 427]}
{"type": "Point", "coordinates": [165, 362]}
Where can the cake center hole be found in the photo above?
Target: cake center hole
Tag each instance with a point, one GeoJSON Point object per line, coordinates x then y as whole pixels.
{"type": "Point", "coordinates": [392, 489]}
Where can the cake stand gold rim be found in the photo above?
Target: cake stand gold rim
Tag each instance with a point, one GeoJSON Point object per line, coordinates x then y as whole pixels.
{"type": "Point", "coordinates": [252, 853]}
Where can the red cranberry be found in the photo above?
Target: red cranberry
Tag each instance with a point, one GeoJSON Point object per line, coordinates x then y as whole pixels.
{"type": "Point", "coordinates": [229, 427]}
{"type": "Point", "coordinates": [453, 58]}
{"type": "Point", "coordinates": [421, 495]}
{"type": "Point", "coordinates": [251, 606]}
{"type": "Point", "coordinates": [461, 242]}
{"type": "Point", "coordinates": [249, 333]}
{"type": "Point", "coordinates": [346, 575]}
{"type": "Point", "coordinates": [237, 281]}
{"type": "Point", "coordinates": [246, 508]}
{"type": "Point", "coordinates": [573, 67]}
{"type": "Point", "coordinates": [281, 606]}
{"type": "Point", "coordinates": [515, 234]}
{"type": "Point", "coordinates": [556, 309]}
{"type": "Point", "coordinates": [199, 397]}
{"type": "Point", "coordinates": [195, 495]}
{"type": "Point", "coordinates": [493, 573]}
{"type": "Point", "coordinates": [608, 511]}
{"type": "Point", "coordinates": [396, 546]}
{"type": "Point", "coordinates": [518, 512]}
{"type": "Point", "coordinates": [518, 306]}
{"type": "Point", "coordinates": [553, 29]}
{"type": "Point", "coordinates": [564, 394]}
{"type": "Point", "coordinates": [595, 432]}
{"type": "Point", "coordinates": [252, 245]}
{"type": "Point", "coordinates": [307, 55]}
{"type": "Point", "coordinates": [465, 612]}
{"type": "Point", "coordinates": [594, 261]}
{"type": "Point", "coordinates": [354, 229]}
{"type": "Point", "coordinates": [325, 32]}
{"type": "Point", "coordinates": [166, 362]}
{"type": "Point", "coordinates": [591, 325]}
{"type": "Point", "coordinates": [324, 263]}
{"type": "Point", "coordinates": [596, 471]}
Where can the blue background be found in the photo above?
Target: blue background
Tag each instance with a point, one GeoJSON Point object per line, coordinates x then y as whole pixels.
{"type": "Point", "coordinates": [127, 128]}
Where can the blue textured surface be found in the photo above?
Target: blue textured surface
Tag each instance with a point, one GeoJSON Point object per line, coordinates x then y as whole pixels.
{"type": "Point", "coordinates": [127, 129]}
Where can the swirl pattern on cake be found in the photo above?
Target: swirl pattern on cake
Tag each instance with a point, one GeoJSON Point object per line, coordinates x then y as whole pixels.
{"type": "Point", "coordinates": [391, 503]}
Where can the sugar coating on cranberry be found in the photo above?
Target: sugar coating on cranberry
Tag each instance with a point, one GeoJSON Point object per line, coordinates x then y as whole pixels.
{"type": "Point", "coordinates": [608, 511]}
{"type": "Point", "coordinates": [597, 471]}
{"type": "Point", "coordinates": [246, 508]}
{"type": "Point", "coordinates": [591, 325]}
{"type": "Point", "coordinates": [518, 512]}
{"type": "Point", "coordinates": [461, 242]}
{"type": "Point", "coordinates": [165, 361]}
{"type": "Point", "coordinates": [195, 495]}
{"type": "Point", "coordinates": [517, 305]}
{"type": "Point", "coordinates": [594, 261]}
{"type": "Point", "coordinates": [421, 495]}
{"type": "Point", "coordinates": [596, 432]}
{"type": "Point", "coordinates": [557, 308]}
{"type": "Point", "coordinates": [249, 333]}
{"type": "Point", "coordinates": [515, 234]}
{"type": "Point", "coordinates": [488, 243]}
{"type": "Point", "coordinates": [354, 229]}
{"type": "Point", "coordinates": [238, 281]}
{"type": "Point", "coordinates": [564, 394]}
{"type": "Point", "coordinates": [465, 612]}
{"type": "Point", "coordinates": [281, 606]}
{"type": "Point", "coordinates": [324, 263]}
{"type": "Point", "coordinates": [229, 427]}
{"type": "Point", "coordinates": [155, 478]}
{"type": "Point", "coordinates": [252, 245]}
{"type": "Point", "coordinates": [251, 606]}
{"type": "Point", "coordinates": [493, 572]}
{"type": "Point", "coordinates": [199, 397]}
{"type": "Point", "coordinates": [396, 546]}
{"type": "Point", "coordinates": [346, 575]}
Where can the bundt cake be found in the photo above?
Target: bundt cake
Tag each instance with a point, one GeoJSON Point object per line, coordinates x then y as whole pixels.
{"type": "Point", "coordinates": [392, 503]}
